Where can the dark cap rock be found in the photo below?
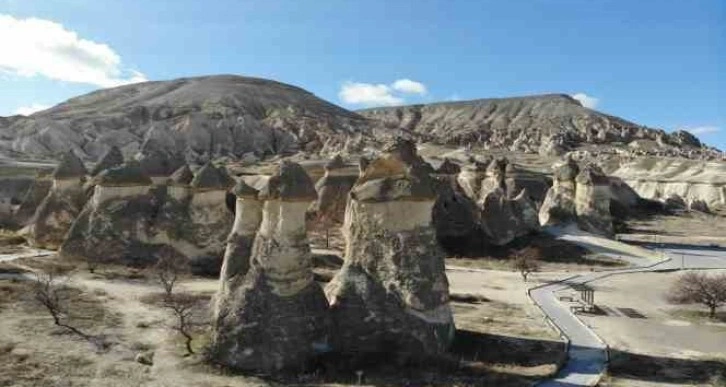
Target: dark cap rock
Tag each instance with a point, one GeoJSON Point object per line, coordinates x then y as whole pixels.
{"type": "Point", "coordinates": [129, 174]}
{"type": "Point", "coordinates": [289, 182]}
{"type": "Point", "coordinates": [183, 176]}
{"type": "Point", "coordinates": [244, 190]}
{"type": "Point", "coordinates": [69, 167]}
{"type": "Point", "coordinates": [210, 177]}
{"type": "Point", "coordinates": [112, 158]}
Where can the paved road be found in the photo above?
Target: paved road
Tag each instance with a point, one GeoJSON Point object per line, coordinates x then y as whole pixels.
{"type": "Point", "coordinates": [587, 353]}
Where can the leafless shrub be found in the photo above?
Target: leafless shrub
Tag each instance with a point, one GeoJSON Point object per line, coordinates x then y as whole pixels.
{"type": "Point", "coordinates": [169, 268]}
{"type": "Point", "coordinates": [700, 288]}
{"type": "Point", "coordinates": [526, 262]}
{"type": "Point", "coordinates": [186, 320]}
{"type": "Point", "coordinates": [50, 292]}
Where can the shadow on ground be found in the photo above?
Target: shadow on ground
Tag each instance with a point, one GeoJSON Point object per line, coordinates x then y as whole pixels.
{"type": "Point", "coordinates": [656, 369]}
{"type": "Point", "coordinates": [475, 359]}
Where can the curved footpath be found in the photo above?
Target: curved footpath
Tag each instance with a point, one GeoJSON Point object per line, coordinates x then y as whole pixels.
{"type": "Point", "coordinates": [588, 353]}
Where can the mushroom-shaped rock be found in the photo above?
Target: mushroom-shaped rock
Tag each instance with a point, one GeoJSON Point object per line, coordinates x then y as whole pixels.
{"type": "Point", "coordinates": [275, 318]}
{"type": "Point", "coordinates": [61, 206]}
{"type": "Point", "coordinates": [333, 189]}
{"type": "Point", "coordinates": [114, 226]}
{"type": "Point", "coordinates": [179, 183]}
{"type": "Point", "coordinates": [391, 293]}
{"type": "Point", "coordinates": [211, 178]}
{"type": "Point", "coordinates": [471, 177]}
{"type": "Point", "coordinates": [592, 201]}
{"type": "Point", "coordinates": [112, 158]}
{"type": "Point", "coordinates": [559, 203]}
{"type": "Point", "coordinates": [158, 165]}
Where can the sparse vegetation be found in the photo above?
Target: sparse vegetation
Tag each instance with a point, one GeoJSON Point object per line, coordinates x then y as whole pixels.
{"type": "Point", "coordinates": [525, 262]}
{"type": "Point", "coordinates": [49, 292]}
{"type": "Point", "coordinates": [706, 289]}
{"type": "Point", "coordinates": [169, 268]}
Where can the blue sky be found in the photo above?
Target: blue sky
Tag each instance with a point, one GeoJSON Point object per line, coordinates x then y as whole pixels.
{"type": "Point", "coordinates": [658, 63]}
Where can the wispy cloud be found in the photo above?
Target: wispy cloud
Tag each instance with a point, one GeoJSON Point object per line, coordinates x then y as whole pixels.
{"type": "Point", "coordinates": [698, 130]}
{"type": "Point", "coordinates": [38, 47]}
{"type": "Point", "coordinates": [370, 94]}
{"type": "Point", "coordinates": [587, 101]}
{"type": "Point", "coordinates": [28, 110]}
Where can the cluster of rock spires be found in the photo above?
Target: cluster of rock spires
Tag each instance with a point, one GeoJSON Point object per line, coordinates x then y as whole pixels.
{"type": "Point", "coordinates": [121, 214]}
{"type": "Point", "coordinates": [486, 203]}
{"type": "Point", "coordinates": [579, 195]}
{"type": "Point", "coordinates": [390, 296]}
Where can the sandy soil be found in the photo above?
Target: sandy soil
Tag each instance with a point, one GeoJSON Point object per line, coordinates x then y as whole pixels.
{"type": "Point", "coordinates": [645, 332]}
{"type": "Point", "coordinates": [503, 340]}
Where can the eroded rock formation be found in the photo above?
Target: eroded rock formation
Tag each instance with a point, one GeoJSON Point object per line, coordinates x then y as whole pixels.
{"type": "Point", "coordinates": [61, 206]}
{"type": "Point", "coordinates": [391, 294]}
{"type": "Point", "coordinates": [276, 317]}
{"type": "Point", "coordinates": [333, 189]}
{"type": "Point", "coordinates": [116, 222]}
{"type": "Point", "coordinates": [583, 196]}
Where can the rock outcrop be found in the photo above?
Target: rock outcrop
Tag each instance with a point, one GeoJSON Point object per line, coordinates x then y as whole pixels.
{"type": "Point", "coordinates": [391, 294]}
{"type": "Point", "coordinates": [484, 206]}
{"type": "Point", "coordinates": [194, 218]}
{"type": "Point", "coordinates": [583, 196]}
{"type": "Point", "coordinates": [333, 189]}
{"type": "Point", "coordinates": [115, 223]}
{"type": "Point", "coordinates": [276, 317]}
{"type": "Point", "coordinates": [112, 158]}
{"type": "Point", "coordinates": [61, 206]}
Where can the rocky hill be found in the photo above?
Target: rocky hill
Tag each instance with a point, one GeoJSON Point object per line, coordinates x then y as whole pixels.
{"type": "Point", "coordinates": [241, 117]}
{"type": "Point", "coordinates": [549, 124]}
{"type": "Point", "coordinates": [222, 115]}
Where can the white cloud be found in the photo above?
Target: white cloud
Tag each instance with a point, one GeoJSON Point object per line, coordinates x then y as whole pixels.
{"type": "Point", "coordinates": [698, 130]}
{"type": "Point", "coordinates": [368, 94]}
{"type": "Point", "coordinates": [408, 86]}
{"type": "Point", "coordinates": [28, 110]}
{"type": "Point", "coordinates": [37, 47]}
{"type": "Point", "coordinates": [587, 101]}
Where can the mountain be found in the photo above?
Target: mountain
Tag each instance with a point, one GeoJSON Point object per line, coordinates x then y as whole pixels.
{"type": "Point", "coordinates": [222, 115]}
{"type": "Point", "coordinates": [521, 124]}
{"type": "Point", "coordinates": [237, 117]}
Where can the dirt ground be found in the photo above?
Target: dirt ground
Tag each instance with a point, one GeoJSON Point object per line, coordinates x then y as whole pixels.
{"type": "Point", "coordinates": [653, 342]}
{"type": "Point", "coordinates": [683, 227]}
{"type": "Point", "coordinates": [502, 339]}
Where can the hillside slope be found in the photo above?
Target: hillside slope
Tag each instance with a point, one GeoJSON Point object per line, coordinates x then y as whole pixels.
{"type": "Point", "coordinates": [552, 123]}
{"type": "Point", "coordinates": [223, 115]}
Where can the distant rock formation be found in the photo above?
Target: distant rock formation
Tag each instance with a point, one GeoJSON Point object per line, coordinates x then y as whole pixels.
{"type": "Point", "coordinates": [275, 318]}
{"type": "Point", "coordinates": [115, 224]}
{"type": "Point", "coordinates": [583, 196]}
{"type": "Point", "coordinates": [194, 218]}
{"type": "Point", "coordinates": [61, 206]}
{"type": "Point", "coordinates": [333, 189]}
{"type": "Point", "coordinates": [391, 294]}
{"type": "Point", "coordinates": [484, 206]}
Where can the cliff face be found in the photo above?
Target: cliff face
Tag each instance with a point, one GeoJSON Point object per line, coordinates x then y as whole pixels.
{"type": "Point", "coordinates": [221, 115]}
{"type": "Point", "coordinates": [661, 178]}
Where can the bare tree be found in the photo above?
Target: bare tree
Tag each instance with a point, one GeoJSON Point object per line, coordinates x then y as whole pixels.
{"type": "Point", "coordinates": [526, 262]}
{"type": "Point", "coordinates": [700, 288]}
{"type": "Point", "coordinates": [169, 268]}
{"type": "Point", "coordinates": [183, 307]}
{"type": "Point", "coordinates": [52, 295]}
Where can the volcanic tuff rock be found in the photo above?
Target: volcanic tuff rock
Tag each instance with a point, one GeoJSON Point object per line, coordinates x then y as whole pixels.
{"type": "Point", "coordinates": [549, 124]}
{"type": "Point", "coordinates": [61, 206]}
{"type": "Point", "coordinates": [484, 205]}
{"type": "Point", "coordinates": [116, 222]}
{"type": "Point", "coordinates": [200, 117]}
{"type": "Point", "coordinates": [391, 294]}
{"type": "Point", "coordinates": [276, 318]}
{"type": "Point", "coordinates": [584, 195]}
{"type": "Point", "coordinates": [333, 189]}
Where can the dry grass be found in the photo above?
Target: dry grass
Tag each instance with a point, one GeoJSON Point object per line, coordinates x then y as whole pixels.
{"type": "Point", "coordinates": [632, 369]}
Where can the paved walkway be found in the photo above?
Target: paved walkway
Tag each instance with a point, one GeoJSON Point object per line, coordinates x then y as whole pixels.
{"type": "Point", "coordinates": [587, 353]}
